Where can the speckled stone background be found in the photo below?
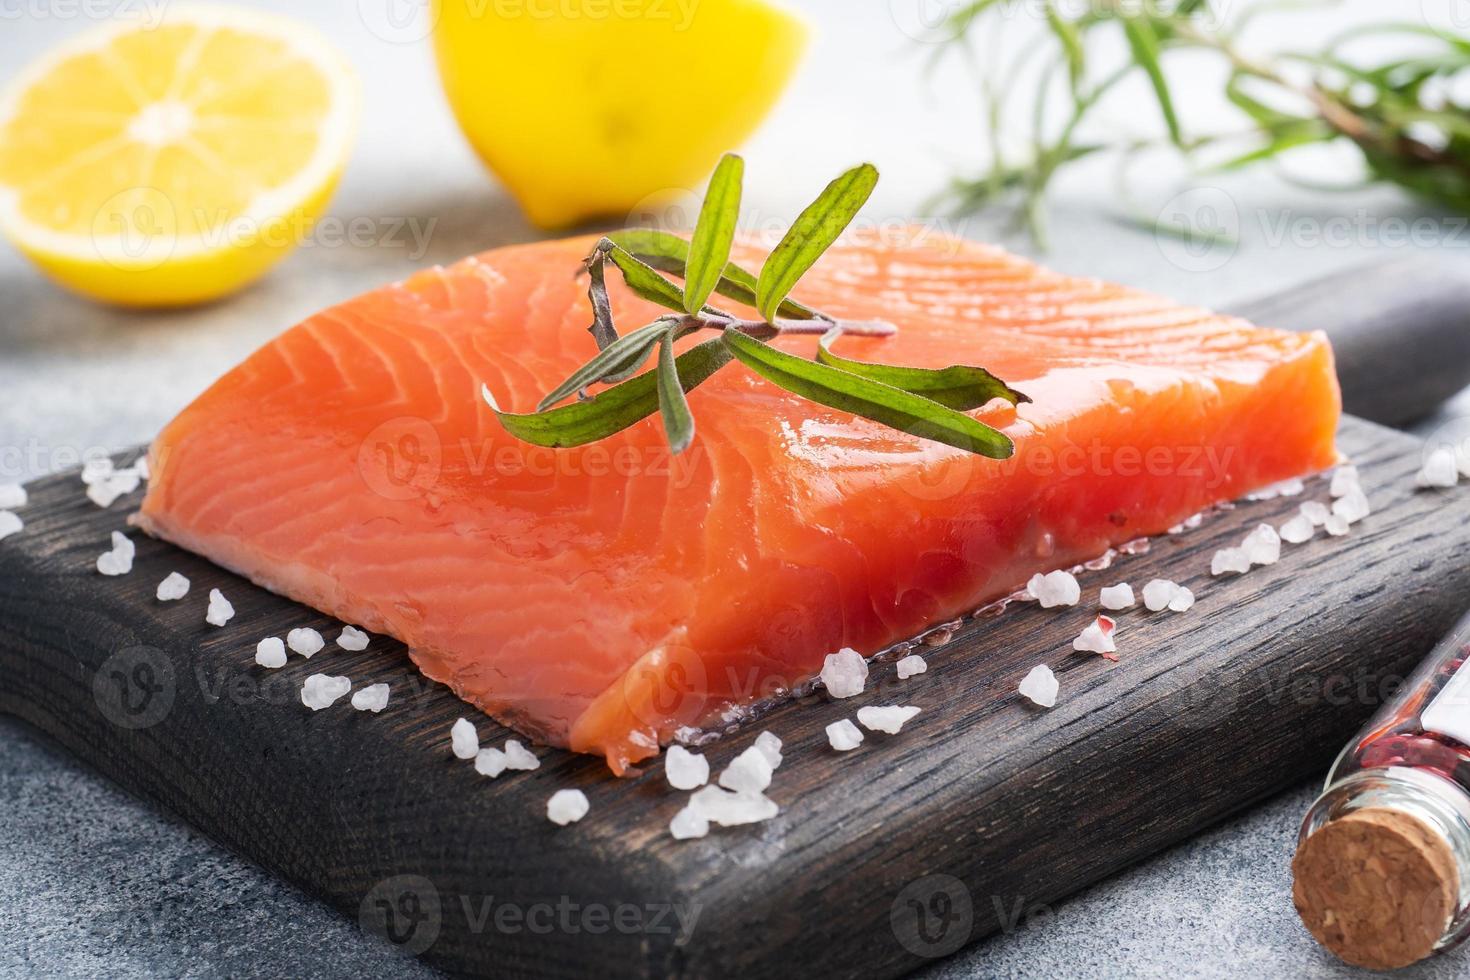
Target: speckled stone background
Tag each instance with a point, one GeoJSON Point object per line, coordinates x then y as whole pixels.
{"type": "Point", "coordinates": [98, 884]}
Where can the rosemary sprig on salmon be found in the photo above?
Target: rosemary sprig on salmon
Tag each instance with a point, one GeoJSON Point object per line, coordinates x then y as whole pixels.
{"type": "Point", "coordinates": [925, 402]}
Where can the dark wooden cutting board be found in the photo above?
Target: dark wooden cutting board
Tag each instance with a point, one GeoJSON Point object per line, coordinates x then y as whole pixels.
{"type": "Point", "coordinates": [983, 808]}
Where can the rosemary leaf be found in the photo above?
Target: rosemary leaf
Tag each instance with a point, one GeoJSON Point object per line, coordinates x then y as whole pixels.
{"type": "Point", "coordinates": [667, 252]}
{"type": "Point", "coordinates": [870, 399]}
{"type": "Point", "coordinates": [678, 423]}
{"type": "Point", "coordinates": [959, 386]}
{"type": "Point", "coordinates": [813, 232]}
{"type": "Point", "coordinates": [1144, 41]}
{"type": "Point", "coordinates": [613, 410]}
{"type": "Point", "coordinates": [643, 279]}
{"type": "Point", "coordinates": [602, 328]}
{"type": "Point", "coordinates": [714, 233]}
{"type": "Point", "coordinates": [622, 356]}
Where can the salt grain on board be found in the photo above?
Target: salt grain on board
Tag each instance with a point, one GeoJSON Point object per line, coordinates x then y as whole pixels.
{"type": "Point", "coordinates": [1160, 594]}
{"type": "Point", "coordinates": [685, 769]}
{"type": "Point", "coordinates": [748, 772]}
{"type": "Point", "coordinates": [1316, 512]}
{"type": "Point", "coordinates": [769, 744]}
{"type": "Point", "coordinates": [463, 739]}
{"type": "Point", "coordinates": [1115, 597]}
{"type": "Point", "coordinates": [1098, 638]}
{"type": "Point", "coordinates": [118, 561]}
{"type": "Point", "coordinates": [270, 652]}
{"type": "Point", "coordinates": [732, 809]}
{"type": "Point", "coordinates": [1054, 589]}
{"type": "Point", "coordinates": [372, 698]}
{"type": "Point", "coordinates": [220, 611]}
{"type": "Point", "coordinates": [517, 756]}
{"type": "Point", "coordinates": [490, 762]}
{"type": "Point", "coordinates": [1440, 470]}
{"type": "Point", "coordinates": [1229, 560]}
{"type": "Point", "coordinates": [567, 806]}
{"type": "Point", "coordinates": [1352, 506]}
{"type": "Point", "coordinates": [1182, 600]}
{"type": "Point", "coordinates": [688, 824]}
{"type": "Point", "coordinates": [322, 691]}
{"type": "Point", "coordinates": [1040, 686]}
{"type": "Point", "coordinates": [12, 496]}
{"type": "Point", "coordinates": [305, 641]}
{"type": "Point", "coordinates": [889, 718]}
{"type": "Point", "coordinates": [352, 638]}
{"type": "Point", "coordinates": [844, 736]}
{"type": "Point", "coordinates": [1337, 525]}
{"type": "Point", "coordinates": [10, 524]}
{"type": "Point", "coordinates": [173, 587]}
{"type": "Point", "coordinates": [911, 665]}
{"type": "Point", "coordinates": [1262, 546]}
{"type": "Point", "coordinates": [1298, 530]}
{"type": "Point", "coordinates": [844, 673]}
{"type": "Point", "coordinates": [1344, 479]}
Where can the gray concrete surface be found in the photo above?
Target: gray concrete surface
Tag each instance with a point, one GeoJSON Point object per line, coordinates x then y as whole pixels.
{"type": "Point", "coordinates": [100, 884]}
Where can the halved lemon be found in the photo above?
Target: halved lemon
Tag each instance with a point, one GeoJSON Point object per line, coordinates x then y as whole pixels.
{"type": "Point", "coordinates": [174, 164]}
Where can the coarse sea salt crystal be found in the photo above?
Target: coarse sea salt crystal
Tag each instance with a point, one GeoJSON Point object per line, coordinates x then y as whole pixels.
{"type": "Point", "coordinates": [1054, 589]}
{"type": "Point", "coordinates": [1262, 546]}
{"type": "Point", "coordinates": [1337, 525]}
{"type": "Point", "coordinates": [118, 561]}
{"type": "Point", "coordinates": [173, 587]}
{"type": "Point", "coordinates": [1158, 593]}
{"type": "Point", "coordinates": [1344, 479]}
{"type": "Point", "coordinates": [517, 756]}
{"type": "Point", "coordinates": [10, 524]}
{"type": "Point", "coordinates": [1097, 638]}
{"type": "Point", "coordinates": [748, 772]}
{"type": "Point", "coordinates": [911, 665]}
{"type": "Point", "coordinates": [890, 718]}
{"type": "Point", "coordinates": [1182, 600]}
{"type": "Point", "coordinates": [322, 691]}
{"type": "Point", "coordinates": [567, 806]}
{"type": "Point", "coordinates": [1229, 560]}
{"type": "Point", "coordinates": [732, 809]}
{"type": "Point", "coordinates": [372, 698]}
{"type": "Point", "coordinates": [220, 611]}
{"type": "Point", "coordinates": [352, 638]}
{"type": "Point", "coordinates": [463, 739]}
{"type": "Point", "coordinates": [1298, 530]}
{"type": "Point", "coordinates": [1188, 524]}
{"type": "Point", "coordinates": [490, 762]}
{"type": "Point", "coordinates": [688, 824]}
{"type": "Point", "coordinates": [305, 641]}
{"type": "Point", "coordinates": [770, 746]}
{"type": "Point", "coordinates": [96, 469]}
{"type": "Point", "coordinates": [1352, 506]}
{"type": "Point", "coordinates": [1040, 686]}
{"type": "Point", "coordinates": [270, 652]}
{"type": "Point", "coordinates": [844, 736]}
{"type": "Point", "coordinates": [12, 496]}
{"type": "Point", "coordinates": [844, 673]}
{"type": "Point", "coordinates": [1316, 512]}
{"type": "Point", "coordinates": [1115, 597]}
{"type": "Point", "coordinates": [1440, 470]}
{"type": "Point", "coordinates": [685, 769]}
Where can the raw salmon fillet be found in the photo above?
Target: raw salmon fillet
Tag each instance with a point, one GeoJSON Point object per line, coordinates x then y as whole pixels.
{"type": "Point", "coordinates": [605, 597]}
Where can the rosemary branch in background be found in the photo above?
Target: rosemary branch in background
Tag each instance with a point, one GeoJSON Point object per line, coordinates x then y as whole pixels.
{"type": "Point", "coordinates": [1400, 113]}
{"type": "Point", "coordinates": [928, 403]}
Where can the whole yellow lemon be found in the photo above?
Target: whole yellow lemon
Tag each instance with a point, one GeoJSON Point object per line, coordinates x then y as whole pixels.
{"type": "Point", "coordinates": [585, 108]}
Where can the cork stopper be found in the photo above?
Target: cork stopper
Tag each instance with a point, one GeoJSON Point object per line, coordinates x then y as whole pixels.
{"type": "Point", "coordinates": [1377, 887]}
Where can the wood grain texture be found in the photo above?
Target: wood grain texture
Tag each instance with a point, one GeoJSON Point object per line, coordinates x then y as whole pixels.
{"type": "Point", "coordinates": [1205, 713]}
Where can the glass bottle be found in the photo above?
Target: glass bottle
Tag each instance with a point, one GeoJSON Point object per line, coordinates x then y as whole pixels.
{"type": "Point", "coordinates": [1382, 869]}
